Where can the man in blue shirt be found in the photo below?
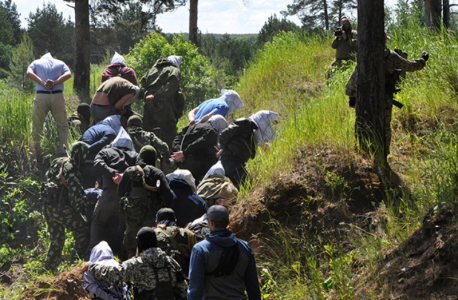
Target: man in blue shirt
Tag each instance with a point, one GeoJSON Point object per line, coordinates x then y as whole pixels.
{"type": "Point", "coordinates": [225, 105]}
{"type": "Point", "coordinates": [204, 282]}
{"type": "Point", "coordinates": [49, 75]}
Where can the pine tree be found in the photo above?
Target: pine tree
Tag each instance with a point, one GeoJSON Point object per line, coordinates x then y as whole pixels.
{"type": "Point", "coordinates": [22, 57]}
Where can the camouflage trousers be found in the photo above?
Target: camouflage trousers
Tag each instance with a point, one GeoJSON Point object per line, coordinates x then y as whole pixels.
{"type": "Point", "coordinates": [137, 216]}
{"type": "Point", "coordinates": [58, 219]}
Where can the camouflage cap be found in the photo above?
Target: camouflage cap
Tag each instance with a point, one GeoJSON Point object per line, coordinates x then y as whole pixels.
{"type": "Point", "coordinates": [165, 214]}
{"type": "Point", "coordinates": [148, 155]}
{"type": "Point", "coordinates": [79, 152]}
{"type": "Point", "coordinates": [218, 213]}
{"type": "Point", "coordinates": [135, 121]}
{"type": "Point", "coordinates": [146, 238]}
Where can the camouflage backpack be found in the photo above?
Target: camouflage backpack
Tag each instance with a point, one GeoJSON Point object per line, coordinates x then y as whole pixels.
{"type": "Point", "coordinates": [177, 243]}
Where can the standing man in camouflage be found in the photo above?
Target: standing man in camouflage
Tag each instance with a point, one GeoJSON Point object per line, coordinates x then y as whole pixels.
{"type": "Point", "coordinates": [49, 74]}
{"type": "Point", "coordinates": [164, 102]}
{"type": "Point", "coordinates": [393, 63]}
{"type": "Point", "coordinates": [143, 190]}
{"type": "Point", "coordinates": [345, 43]}
{"type": "Point", "coordinates": [64, 204]}
{"type": "Point", "coordinates": [155, 275]}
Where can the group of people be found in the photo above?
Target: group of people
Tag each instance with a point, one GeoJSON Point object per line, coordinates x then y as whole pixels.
{"type": "Point", "coordinates": [396, 63]}
{"type": "Point", "coordinates": [134, 187]}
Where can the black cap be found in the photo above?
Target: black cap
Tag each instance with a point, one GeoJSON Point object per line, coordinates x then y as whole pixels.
{"type": "Point", "coordinates": [146, 238]}
{"type": "Point", "coordinates": [165, 214]}
{"type": "Point", "coordinates": [218, 213]}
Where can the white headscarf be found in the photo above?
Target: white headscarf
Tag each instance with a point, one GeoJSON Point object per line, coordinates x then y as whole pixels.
{"type": "Point", "coordinates": [102, 254]}
{"type": "Point", "coordinates": [265, 132]}
{"type": "Point", "coordinates": [216, 169]}
{"type": "Point", "coordinates": [219, 123]}
{"type": "Point", "coordinates": [176, 60]}
{"type": "Point", "coordinates": [117, 58]}
{"type": "Point", "coordinates": [47, 56]}
{"type": "Point", "coordinates": [184, 175]}
{"type": "Point", "coordinates": [232, 99]}
{"type": "Point", "coordinates": [113, 121]}
{"type": "Point", "coordinates": [123, 140]}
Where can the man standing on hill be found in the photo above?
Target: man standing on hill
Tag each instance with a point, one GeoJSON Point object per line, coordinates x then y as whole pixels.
{"type": "Point", "coordinates": [345, 44]}
{"type": "Point", "coordinates": [49, 75]}
{"type": "Point", "coordinates": [164, 102]}
{"type": "Point", "coordinates": [394, 63]}
{"type": "Point", "coordinates": [222, 266]}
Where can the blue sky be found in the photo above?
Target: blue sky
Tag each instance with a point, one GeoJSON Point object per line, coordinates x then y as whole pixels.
{"type": "Point", "coordinates": [215, 16]}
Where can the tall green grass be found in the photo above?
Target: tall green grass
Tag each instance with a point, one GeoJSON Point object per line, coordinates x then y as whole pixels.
{"type": "Point", "coordinates": [287, 76]}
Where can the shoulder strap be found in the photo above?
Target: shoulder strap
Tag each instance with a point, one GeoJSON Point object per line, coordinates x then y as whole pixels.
{"type": "Point", "coordinates": [61, 170]}
{"type": "Point", "coordinates": [148, 187]}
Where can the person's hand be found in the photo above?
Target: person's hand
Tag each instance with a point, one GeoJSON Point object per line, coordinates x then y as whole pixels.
{"type": "Point", "coordinates": [85, 267]}
{"type": "Point", "coordinates": [178, 156]}
{"type": "Point", "coordinates": [219, 153]}
{"type": "Point", "coordinates": [192, 122]}
{"type": "Point", "coordinates": [425, 55]}
{"type": "Point", "coordinates": [149, 97]}
{"type": "Point", "coordinates": [49, 84]}
{"type": "Point", "coordinates": [117, 178]}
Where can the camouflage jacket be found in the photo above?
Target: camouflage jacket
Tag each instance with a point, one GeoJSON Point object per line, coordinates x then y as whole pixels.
{"type": "Point", "coordinates": [346, 49]}
{"type": "Point", "coordinates": [392, 61]}
{"type": "Point", "coordinates": [163, 79]}
{"type": "Point", "coordinates": [153, 273]}
{"type": "Point", "coordinates": [65, 172]}
{"type": "Point", "coordinates": [142, 138]}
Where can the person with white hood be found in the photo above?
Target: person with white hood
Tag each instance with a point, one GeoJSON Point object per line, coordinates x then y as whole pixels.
{"type": "Point", "coordinates": [164, 101]}
{"type": "Point", "coordinates": [49, 74]}
{"type": "Point", "coordinates": [195, 147]}
{"type": "Point", "coordinates": [111, 164]}
{"type": "Point", "coordinates": [239, 142]}
{"type": "Point", "coordinates": [228, 103]}
{"type": "Point", "coordinates": [118, 67]}
{"type": "Point", "coordinates": [99, 289]}
{"type": "Point", "coordinates": [97, 137]}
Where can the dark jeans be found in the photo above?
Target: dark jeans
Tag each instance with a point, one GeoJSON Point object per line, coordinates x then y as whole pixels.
{"type": "Point", "coordinates": [234, 169]}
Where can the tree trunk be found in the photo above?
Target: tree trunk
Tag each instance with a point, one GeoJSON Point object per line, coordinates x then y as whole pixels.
{"type": "Point", "coordinates": [193, 21]}
{"type": "Point", "coordinates": [82, 62]}
{"type": "Point", "coordinates": [428, 13]}
{"type": "Point", "coordinates": [436, 9]}
{"type": "Point", "coordinates": [370, 102]}
{"type": "Point", "coordinates": [326, 17]}
{"type": "Point", "coordinates": [446, 13]}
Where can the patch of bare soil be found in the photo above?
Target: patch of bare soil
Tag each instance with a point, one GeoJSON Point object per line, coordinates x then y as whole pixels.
{"type": "Point", "coordinates": [426, 265]}
{"type": "Point", "coordinates": [66, 286]}
{"type": "Point", "coordinates": [323, 195]}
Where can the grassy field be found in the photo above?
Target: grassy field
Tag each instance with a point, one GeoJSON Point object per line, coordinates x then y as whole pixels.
{"type": "Point", "coordinates": [287, 76]}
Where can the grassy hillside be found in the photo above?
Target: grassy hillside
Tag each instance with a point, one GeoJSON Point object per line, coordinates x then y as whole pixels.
{"type": "Point", "coordinates": [317, 210]}
{"type": "Point", "coordinates": [315, 145]}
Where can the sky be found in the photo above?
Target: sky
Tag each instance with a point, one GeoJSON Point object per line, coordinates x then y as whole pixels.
{"type": "Point", "coordinates": [214, 16]}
